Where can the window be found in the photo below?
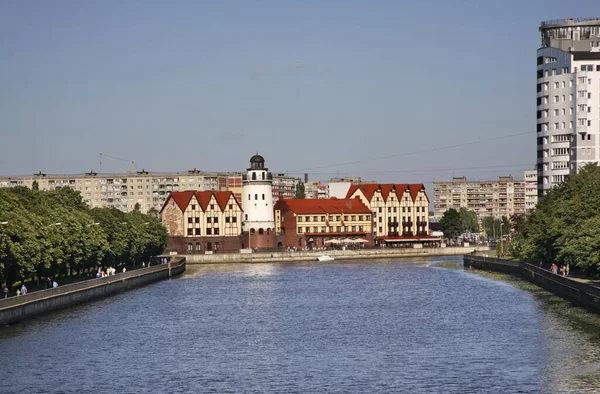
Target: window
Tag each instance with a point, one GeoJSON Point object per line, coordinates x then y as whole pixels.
{"type": "Point", "coordinates": [212, 206]}
{"type": "Point", "coordinates": [360, 228]}
{"type": "Point", "coordinates": [227, 219]}
{"type": "Point", "coordinates": [193, 207]}
{"type": "Point", "coordinates": [581, 121]}
{"type": "Point", "coordinates": [556, 98]}
{"type": "Point", "coordinates": [230, 206]}
{"type": "Point", "coordinates": [248, 197]}
{"type": "Point", "coordinates": [346, 218]}
{"type": "Point", "coordinates": [189, 247]}
{"type": "Point", "coordinates": [556, 85]}
{"type": "Point", "coordinates": [299, 230]}
{"type": "Point", "coordinates": [353, 228]}
{"type": "Point", "coordinates": [299, 218]}
{"type": "Point", "coordinates": [338, 228]}
{"type": "Point", "coordinates": [379, 209]}
{"type": "Point", "coordinates": [360, 218]}
{"type": "Point", "coordinates": [256, 196]}
{"type": "Point", "coordinates": [307, 219]}
{"type": "Point", "coordinates": [322, 229]}
{"type": "Point", "coordinates": [315, 218]}
{"type": "Point", "coordinates": [322, 218]}
{"type": "Point", "coordinates": [234, 219]}
{"type": "Point", "coordinates": [190, 231]}
{"type": "Point", "coordinates": [197, 231]}
{"type": "Point", "coordinates": [353, 218]}
{"type": "Point", "coordinates": [197, 220]}
{"type": "Point", "coordinates": [198, 247]}
{"type": "Point", "coordinates": [216, 219]}
{"type": "Point", "coordinates": [263, 196]}
{"type": "Point", "coordinates": [209, 231]}
{"type": "Point", "coordinates": [216, 231]}
{"type": "Point", "coordinates": [208, 219]}
{"type": "Point", "coordinates": [190, 220]}
{"type": "Point", "coordinates": [581, 107]}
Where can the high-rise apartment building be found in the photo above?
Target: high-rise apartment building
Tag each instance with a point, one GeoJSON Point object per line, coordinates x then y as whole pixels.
{"type": "Point", "coordinates": [531, 195]}
{"type": "Point", "coordinates": [568, 99]}
{"type": "Point", "coordinates": [503, 197]}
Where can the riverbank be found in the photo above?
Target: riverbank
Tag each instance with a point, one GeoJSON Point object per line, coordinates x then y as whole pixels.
{"type": "Point", "coordinates": [15, 309]}
{"type": "Point", "coordinates": [571, 289]}
{"type": "Point", "coordinates": [288, 257]}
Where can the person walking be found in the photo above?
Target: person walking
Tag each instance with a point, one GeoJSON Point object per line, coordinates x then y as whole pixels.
{"type": "Point", "coordinates": [5, 289]}
{"type": "Point", "coordinates": [23, 289]}
{"type": "Point", "coordinates": [54, 284]}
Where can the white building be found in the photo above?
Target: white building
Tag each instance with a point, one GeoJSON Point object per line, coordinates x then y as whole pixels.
{"type": "Point", "coordinates": [258, 197]}
{"type": "Point", "coordinates": [531, 192]}
{"type": "Point", "coordinates": [568, 99]}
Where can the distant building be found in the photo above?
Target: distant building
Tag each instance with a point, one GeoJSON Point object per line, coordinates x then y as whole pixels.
{"type": "Point", "coordinates": [124, 191]}
{"type": "Point", "coordinates": [315, 190]}
{"type": "Point", "coordinates": [202, 221]}
{"type": "Point", "coordinates": [338, 187]}
{"type": "Point", "coordinates": [531, 191]}
{"type": "Point", "coordinates": [502, 197]}
{"type": "Point", "coordinates": [400, 211]}
{"type": "Point", "coordinates": [568, 99]}
{"type": "Point", "coordinates": [311, 223]}
{"type": "Point", "coordinates": [284, 186]}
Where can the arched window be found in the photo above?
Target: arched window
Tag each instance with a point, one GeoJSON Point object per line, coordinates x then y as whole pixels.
{"type": "Point", "coordinates": [256, 196]}
{"type": "Point", "coordinates": [253, 176]}
{"type": "Point", "coordinates": [247, 214]}
{"type": "Point", "coordinates": [263, 175]}
{"type": "Point", "coordinates": [248, 197]}
{"type": "Point", "coordinates": [251, 231]}
{"type": "Point", "coordinates": [263, 196]}
{"type": "Point", "coordinates": [260, 231]}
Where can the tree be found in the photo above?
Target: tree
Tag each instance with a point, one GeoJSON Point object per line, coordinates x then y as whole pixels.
{"type": "Point", "coordinates": [451, 224]}
{"type": "Point", "coordinates": [469, 221]}
{"type": "Point", "coordinates": [300, 191]}
{"type": "Point", "coordinates": [564, 228]}
{"type": "Point", "coordinates": [35, 186]}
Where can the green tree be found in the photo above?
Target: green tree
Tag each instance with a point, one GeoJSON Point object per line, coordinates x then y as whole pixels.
{"type": "Point", "coordinates": [451, 224]}
{"type": "Point", "coordinates": [300, 190]}
{"type": "Point", "coordinates": [35, 186]}
{"type": "Point", "coordinates": [469, 221]}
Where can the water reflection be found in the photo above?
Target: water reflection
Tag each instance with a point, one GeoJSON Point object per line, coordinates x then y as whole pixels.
{"type": "Point", "coordinates": [420, 325]}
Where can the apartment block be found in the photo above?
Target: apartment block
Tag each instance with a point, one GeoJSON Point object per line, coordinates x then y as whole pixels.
{"type": "Point", "coordinates": [568, 99]}
{"type": "Point", "coordinates": [498, 198]}
{"type": "Point", "coordinates": [124, 191]}
{"type": "Point", "coordinates": [531, 191]}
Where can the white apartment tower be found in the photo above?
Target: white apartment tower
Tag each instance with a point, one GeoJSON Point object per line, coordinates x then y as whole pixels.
{"type": "Point", "coordinates": [258, 198]}
{"type": "Point", "coordinates": [568, 99]}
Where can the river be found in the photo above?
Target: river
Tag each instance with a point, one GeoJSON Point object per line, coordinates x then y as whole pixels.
{"type": "Point", "coordinates": [410, 325]}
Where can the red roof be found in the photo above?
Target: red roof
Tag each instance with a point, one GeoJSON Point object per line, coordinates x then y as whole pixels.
{"type": "Point", "coordinates": [369, 189]}
{"type": "Point", "coordinates": [182, 199]}
{"type": "Point", "coordinates": [320, 206]}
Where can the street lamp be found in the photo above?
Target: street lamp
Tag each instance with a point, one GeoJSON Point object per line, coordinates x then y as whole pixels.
{"type": "Point", "coordinates": [501, 241]}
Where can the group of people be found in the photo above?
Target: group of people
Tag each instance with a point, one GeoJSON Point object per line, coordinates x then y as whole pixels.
{"type": "Point", "coordinates": [562, 270]}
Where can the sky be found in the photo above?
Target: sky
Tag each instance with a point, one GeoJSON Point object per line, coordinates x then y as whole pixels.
{"type": "Point", "coordinates": [392, 91]}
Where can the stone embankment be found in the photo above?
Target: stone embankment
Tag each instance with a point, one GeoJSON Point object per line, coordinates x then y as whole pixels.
{"type": "Point", "coordinates": [283, 257]}
{"type": "Point", "coordinates": [19, 308]}
{"type": "Point", "coordinates": [578, 293]}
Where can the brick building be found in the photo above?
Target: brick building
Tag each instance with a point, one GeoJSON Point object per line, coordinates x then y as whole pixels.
{"type": "Point", "coordinates": [316, 222]}
{"type": "Point", "coordinates": [203, 221]}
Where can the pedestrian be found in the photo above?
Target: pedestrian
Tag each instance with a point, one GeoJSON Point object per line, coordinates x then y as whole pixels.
{"type": "Point", "coordinates": [5, 290]}
{"type": "Point", "coordinates": [567, 269]}
{"type": "Point", "coordinates": [124, 269]}
{"type": "Point", "coordinates": [54, 284]}
{"type": "Point", "coordinates": [48, 282]}
{"type": "Point", "coordinates": [23, 289]}
{"type": "Point", "coordinates": [18, 292]}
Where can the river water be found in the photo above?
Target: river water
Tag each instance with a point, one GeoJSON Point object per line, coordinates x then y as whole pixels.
{"type": "Point", "coordinates": [414, 326]}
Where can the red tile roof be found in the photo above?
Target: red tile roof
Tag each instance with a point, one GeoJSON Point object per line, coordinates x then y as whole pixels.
{"type": "Point", "coordinates": [368, 190]}
{"type": "Point", "coordinates": [182, 199]}
{"type": "Point", "coordinates": [319, 206]}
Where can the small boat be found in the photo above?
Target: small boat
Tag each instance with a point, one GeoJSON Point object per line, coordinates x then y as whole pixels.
{"type": "Point", "coordinates": [325, 258]}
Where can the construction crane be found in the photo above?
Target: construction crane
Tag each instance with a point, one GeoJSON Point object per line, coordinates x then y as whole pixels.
{"type": "Point", "coordinates": [113, 159]}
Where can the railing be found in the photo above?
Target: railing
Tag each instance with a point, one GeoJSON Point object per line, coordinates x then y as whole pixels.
{"type": "Point", "coordinates": [84, 284]}
{"type": "Point", "coordinates": [567, 21]}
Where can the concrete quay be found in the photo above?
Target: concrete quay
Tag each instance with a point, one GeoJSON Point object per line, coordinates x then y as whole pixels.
{"type": "Point", "coordinates": [571, 289]}
{"type": "Point", "coordinates": [15, 309]}
{"type": "Point", "coordinates": [353, 254]}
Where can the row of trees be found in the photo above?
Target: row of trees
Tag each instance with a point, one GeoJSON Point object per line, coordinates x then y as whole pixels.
{"type": "Point", "coordinates": [50, 233]}
{"type": "Point", "coordinates": [456, 222]}
{"type": "Point", "coordinates": [564, 228]}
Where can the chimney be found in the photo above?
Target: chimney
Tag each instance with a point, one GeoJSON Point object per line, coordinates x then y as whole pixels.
{"type": "Point", "coordinates": [305, 177]}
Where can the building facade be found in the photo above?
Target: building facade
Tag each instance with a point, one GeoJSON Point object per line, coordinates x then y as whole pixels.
{"type": "Point", "coordinates": [531, 192]}
{"type": "Point", "coordinates": [202, 221]}
{"type": "Point", "coordinates": [284, 186]}
{"type": "Point", "coordinates": [568, 99]}
{"type": "Point", "coordinates": [502, 197]}
{"type": "Point", "coordinates": [316, 223]}
{"type": "Point", "coordinates": [399, 211]}
{"type": "Point", "coordinates": [124, 191]}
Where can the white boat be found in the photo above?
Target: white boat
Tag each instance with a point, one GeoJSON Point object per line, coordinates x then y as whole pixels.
{"type": "Point", "coordinates": [325, 258]}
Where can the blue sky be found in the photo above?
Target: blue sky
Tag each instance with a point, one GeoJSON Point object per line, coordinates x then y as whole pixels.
{"type": "Point", "coordinates": [394, 91]}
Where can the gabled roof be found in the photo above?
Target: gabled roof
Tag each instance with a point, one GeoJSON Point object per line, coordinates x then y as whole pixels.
{"type": "Point", "coordinates": [369, 190]}
{"type": "Point", "coordinates": [321, 206]}
{"type": "Point", "coordinates": [182, 199]}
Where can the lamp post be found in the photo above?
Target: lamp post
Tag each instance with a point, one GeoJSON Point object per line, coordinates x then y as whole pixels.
{"type": "Point", "coordinates": [501, 241]}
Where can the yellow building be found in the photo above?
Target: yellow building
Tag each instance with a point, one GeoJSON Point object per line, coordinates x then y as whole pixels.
{"type": "Point", "coordinates": [400, 211]}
